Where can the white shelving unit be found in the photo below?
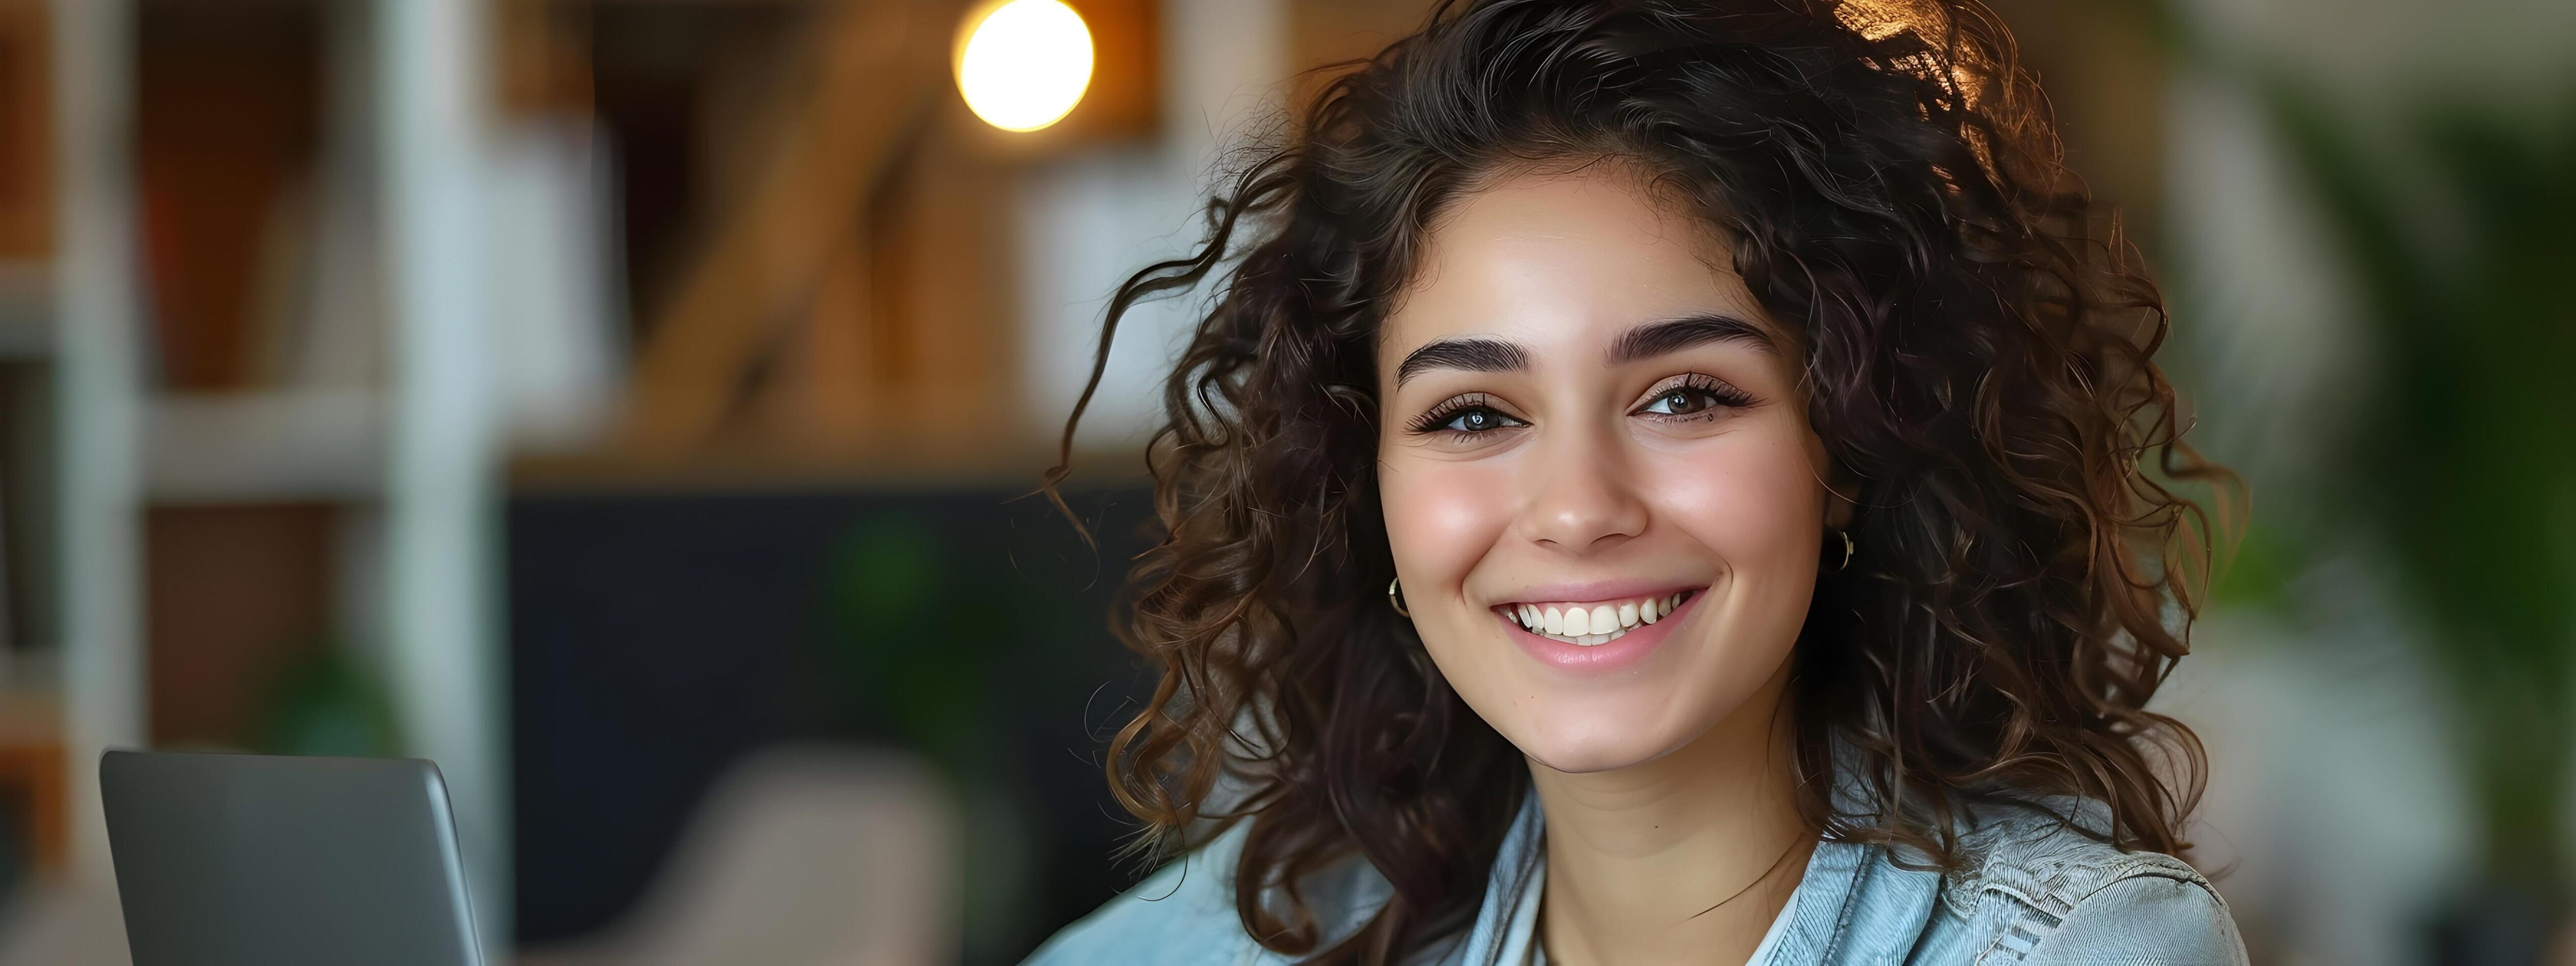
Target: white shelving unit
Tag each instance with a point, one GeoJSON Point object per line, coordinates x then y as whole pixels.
{"type": "Point", "coordinates": [100, 401]}
{"type": "Point", "coordinates": [442, 484]}
{"type": "Point", "coordinates": [422, 451]}
{"type": "Point", "coordinates": [319, 444]}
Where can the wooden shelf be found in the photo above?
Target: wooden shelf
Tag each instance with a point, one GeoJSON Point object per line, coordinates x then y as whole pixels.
{"type": "Point", "coordinates": [26, 309]}
{"type": "Point", "coordinates": [279, 446]}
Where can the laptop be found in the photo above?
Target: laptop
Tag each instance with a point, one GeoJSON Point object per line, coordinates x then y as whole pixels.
{"type": "Point", "coordinates": [233, 860]}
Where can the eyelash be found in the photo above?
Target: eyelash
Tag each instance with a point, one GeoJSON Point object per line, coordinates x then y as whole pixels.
{"type": "Point", "coordinates": [1438, 419]}
{"type": "Point", "coordinates": [1719, 391]}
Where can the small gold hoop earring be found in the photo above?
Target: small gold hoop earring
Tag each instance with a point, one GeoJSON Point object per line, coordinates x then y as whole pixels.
{"type": "Point", "coordinates": [1847, 551]}
{"type": "Point", "coordinates": [1395, 597]}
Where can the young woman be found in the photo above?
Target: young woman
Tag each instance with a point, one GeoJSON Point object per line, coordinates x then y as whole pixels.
{"type": "Point", "coordinates": [1665, 481]}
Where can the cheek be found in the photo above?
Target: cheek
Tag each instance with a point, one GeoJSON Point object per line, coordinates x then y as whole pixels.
{"type": "Point", "coordinates": [1750, 497]}
{"type": "Point", "coordinates": [1442, 516]}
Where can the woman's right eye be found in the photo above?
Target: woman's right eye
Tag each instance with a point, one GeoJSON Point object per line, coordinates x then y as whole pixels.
{"type": "Point", "coordinates": [1477, 419]}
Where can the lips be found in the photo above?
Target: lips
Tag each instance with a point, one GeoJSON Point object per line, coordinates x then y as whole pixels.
{"type": "Point", "coordinates": [1592, 623]}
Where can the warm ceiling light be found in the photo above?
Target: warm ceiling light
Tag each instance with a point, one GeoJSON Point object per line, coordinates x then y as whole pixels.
{"type": "Point", "coordinates": [1024, 64]}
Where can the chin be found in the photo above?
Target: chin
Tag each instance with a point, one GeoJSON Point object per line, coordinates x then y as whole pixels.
{"type": "Point", "coordinates": [1578, 743]}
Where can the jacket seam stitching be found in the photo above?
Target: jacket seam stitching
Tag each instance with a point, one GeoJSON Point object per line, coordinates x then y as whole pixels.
{"type": "Point", "coordinates": [1851, 900]}
{"type": "Point", "coordinates": [2058, 920]}
{"type": "Point", "coordinates": [2150, 871]}
{"type": "Point", "coordinates": [2128, 867]}
{"type": "Point", "coordinates": [2019, 924]}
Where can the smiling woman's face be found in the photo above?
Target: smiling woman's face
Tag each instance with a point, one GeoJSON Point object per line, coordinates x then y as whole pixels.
{"type": "Point", "coordinates": [1591, 428]}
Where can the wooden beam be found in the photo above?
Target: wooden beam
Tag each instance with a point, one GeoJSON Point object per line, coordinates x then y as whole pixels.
{"type": "Point", "coordinates": [876, 65]}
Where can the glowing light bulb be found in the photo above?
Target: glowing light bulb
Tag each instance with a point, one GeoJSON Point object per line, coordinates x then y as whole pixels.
{"type": "Point", "coordinates": [1024, 64]}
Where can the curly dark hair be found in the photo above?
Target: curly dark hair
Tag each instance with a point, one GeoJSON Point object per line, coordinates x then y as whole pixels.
{"type": "Point", "coordinates": [1978, 346]}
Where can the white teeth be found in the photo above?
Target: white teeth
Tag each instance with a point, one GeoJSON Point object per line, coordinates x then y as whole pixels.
{"type": "Point", "coordinates": [1592, 639]}
{"type": "Point", "coordinates": [1595, 624]}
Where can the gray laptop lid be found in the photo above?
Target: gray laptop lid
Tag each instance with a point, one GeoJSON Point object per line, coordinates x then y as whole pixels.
{"type": "Point", "coordinates": [230, 860]}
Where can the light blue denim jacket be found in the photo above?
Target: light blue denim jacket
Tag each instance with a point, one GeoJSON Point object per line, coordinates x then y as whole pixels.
{"type": "Point", "coordinates": [2031, 890]}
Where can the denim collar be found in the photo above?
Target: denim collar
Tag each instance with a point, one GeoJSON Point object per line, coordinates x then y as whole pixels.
{"type": "Point", "coordinates": [1855, 904]}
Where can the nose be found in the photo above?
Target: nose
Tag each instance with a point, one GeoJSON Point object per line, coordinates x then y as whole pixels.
{"type": "Point", "coordinates": [1583, 498]}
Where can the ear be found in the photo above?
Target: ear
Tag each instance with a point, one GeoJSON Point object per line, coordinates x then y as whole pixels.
{"type": "Point", "coordinates": [1840, 486]}
{"type": "Point", "coordinates": [1839, 494]}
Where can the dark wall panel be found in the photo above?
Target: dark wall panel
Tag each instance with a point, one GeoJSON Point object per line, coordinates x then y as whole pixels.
{"type": "Point", "coordinates": [656, 639]}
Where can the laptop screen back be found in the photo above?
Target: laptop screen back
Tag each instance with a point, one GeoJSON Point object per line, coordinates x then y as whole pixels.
{"type": "Point", "coordinates": [241, 859]}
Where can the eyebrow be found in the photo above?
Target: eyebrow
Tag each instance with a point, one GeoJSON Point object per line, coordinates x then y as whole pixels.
{"type": "Point", "coordinates": [1673, 335]}
{"type": "Point", "coordinates": [1643, 342]}
{"type": "Point", "coordinates": [1471, 355]}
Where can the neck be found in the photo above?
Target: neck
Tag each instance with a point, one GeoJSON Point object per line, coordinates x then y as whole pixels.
{"type": "Point", "coordinates": [1686, 858]}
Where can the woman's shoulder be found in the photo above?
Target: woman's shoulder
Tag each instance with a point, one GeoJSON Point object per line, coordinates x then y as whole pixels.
{"type": "Point", "coordinates": [2037, 880]}
{"type": "Point", "coordinates": [1185, 912]}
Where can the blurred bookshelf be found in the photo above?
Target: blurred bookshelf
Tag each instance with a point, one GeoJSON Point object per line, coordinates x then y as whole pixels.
{"type": "Point", "coordinates": [26, 309]}
{"type": "Point", "coordinates": [278, 446]}
{"type": "Point", "coordinates": [35, 781]}
{"type": "Point", "coordinates": [242, 437]}
{"type": "Point", "coordinates": [307, 307]}
{"type": "Point", "coordinates": [199, 382]}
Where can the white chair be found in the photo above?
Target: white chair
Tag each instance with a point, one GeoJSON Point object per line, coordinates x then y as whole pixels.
{"type": "Point", "coordinates": [802, 856]}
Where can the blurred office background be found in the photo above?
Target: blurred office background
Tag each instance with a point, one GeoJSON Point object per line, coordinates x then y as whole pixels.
{"type": "Point", "coordinates": [633, 405]}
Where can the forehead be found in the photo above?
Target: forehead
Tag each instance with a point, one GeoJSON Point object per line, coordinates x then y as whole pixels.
{"type": "Point", "coordinates": [1565, 259]}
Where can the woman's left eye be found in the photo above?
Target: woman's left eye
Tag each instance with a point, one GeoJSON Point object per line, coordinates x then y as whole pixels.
{"type": "Point", "coordinates": [1684, 401]}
